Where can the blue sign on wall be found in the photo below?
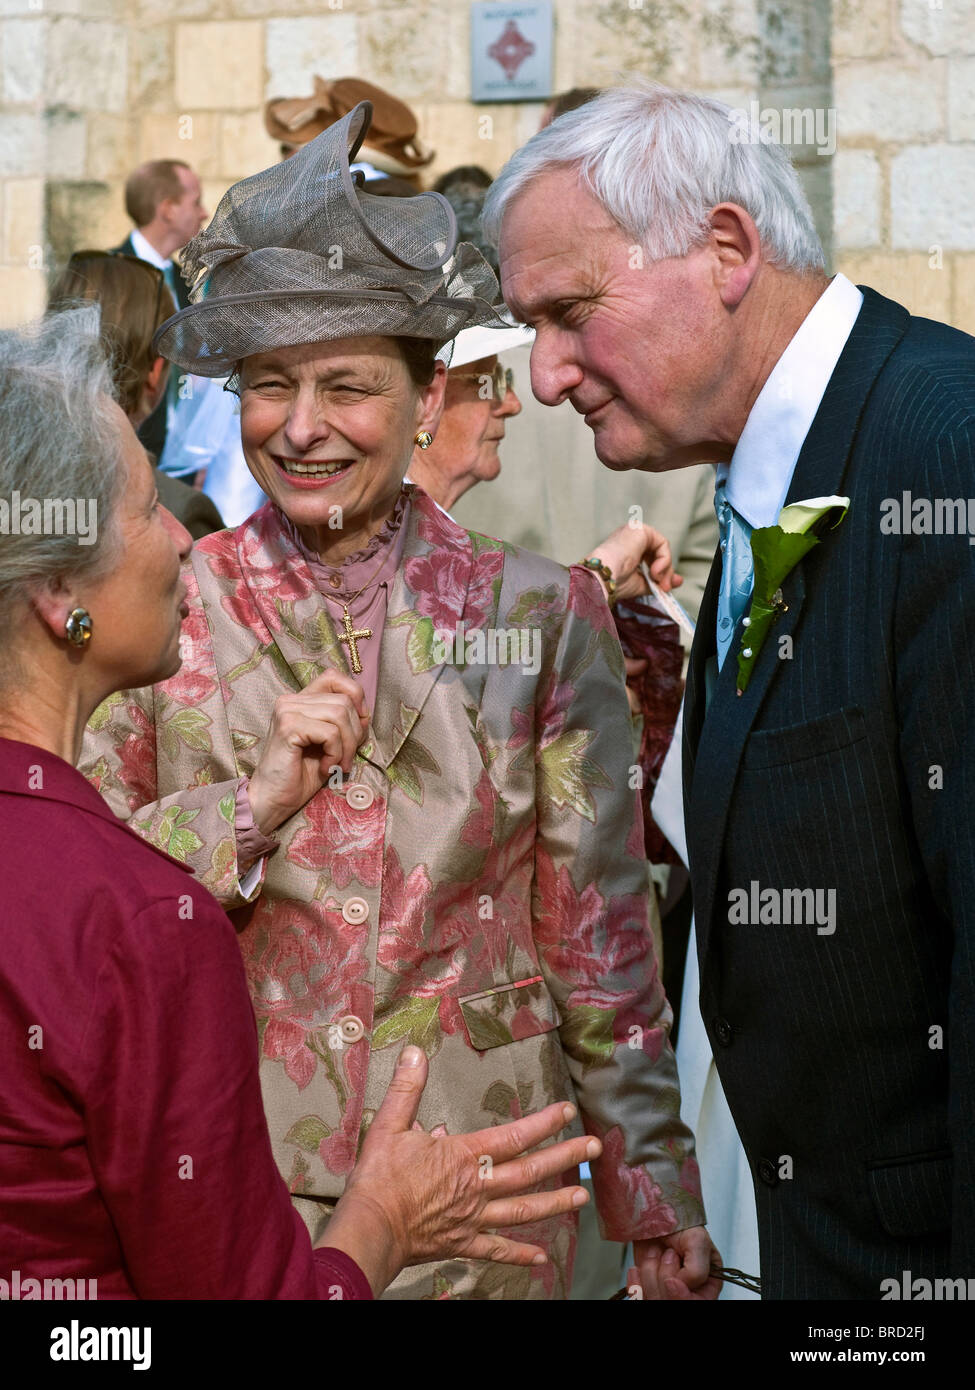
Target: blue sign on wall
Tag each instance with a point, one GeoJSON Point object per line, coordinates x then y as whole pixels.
{"type": "Point", "coordinates": [511, 52]}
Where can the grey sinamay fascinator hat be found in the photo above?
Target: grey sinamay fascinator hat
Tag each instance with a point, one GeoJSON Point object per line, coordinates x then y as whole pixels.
{"type": "Point", "coordinates": [300, 253]}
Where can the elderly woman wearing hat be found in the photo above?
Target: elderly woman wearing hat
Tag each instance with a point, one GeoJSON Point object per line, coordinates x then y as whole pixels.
{"type": "Point", "coordinates": [478, 398]}
{"type": "Point", "coordinates": [468, 874]}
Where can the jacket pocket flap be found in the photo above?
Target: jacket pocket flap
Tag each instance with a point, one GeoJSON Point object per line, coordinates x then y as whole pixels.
{"type": "Point", "coordinates": [508, 1013]}
{"type": "Point", "coordinates": [830, 733]}
{"type": "Point", "coordinates": [912, 1195]}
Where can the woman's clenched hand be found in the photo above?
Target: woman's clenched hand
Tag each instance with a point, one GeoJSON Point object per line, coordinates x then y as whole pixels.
{"type": "Point", "coordinates": [312, 732]}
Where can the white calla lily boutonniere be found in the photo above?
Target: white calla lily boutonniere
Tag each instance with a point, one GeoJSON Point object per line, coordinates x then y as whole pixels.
{"type": "Point", "coordinates": [776, 550]}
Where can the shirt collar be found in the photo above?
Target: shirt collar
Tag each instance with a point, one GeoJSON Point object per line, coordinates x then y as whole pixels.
{"type": "Point", "coordinates": [147, 252]}
{"type": "Point", "coordinates": [444, 510]}
{"type": "Point", "coordinates": [760, 471]}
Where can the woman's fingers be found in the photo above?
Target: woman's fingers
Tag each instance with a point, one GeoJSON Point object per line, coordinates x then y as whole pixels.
{"type": "Point", "coordinates": [502, 1142]}
{"type": "Point", "coordinates": [503, 1251]}
{"type": "Point", "coordinates": [529, 1171]}
{"type": "Point", "coordinates": [332, 725]}
{"type": "Point", "coordinates": [534, 1206]}
{"type": "Point", "coordinates": [401, 1102]}
{"type": "Point", "coordinates": [340, 684]}
{"type": "Point", "coordinates": [656, 550]}
{"type": "Point", "coordinates": [335, 707]}
{"type": "Point", "coordinates": [291, 769]}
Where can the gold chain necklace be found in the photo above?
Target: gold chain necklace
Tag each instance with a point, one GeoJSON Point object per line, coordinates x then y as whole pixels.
{"type": "Point", "coordinates": [353, 635]}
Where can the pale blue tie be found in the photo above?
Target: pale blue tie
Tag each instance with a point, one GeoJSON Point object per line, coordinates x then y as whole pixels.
{"type": "Point", "coordinates": [737, 573]}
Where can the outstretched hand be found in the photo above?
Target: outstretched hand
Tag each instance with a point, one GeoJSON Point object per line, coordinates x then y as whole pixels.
{"type": "Point", "coordinates": [413, 1197]}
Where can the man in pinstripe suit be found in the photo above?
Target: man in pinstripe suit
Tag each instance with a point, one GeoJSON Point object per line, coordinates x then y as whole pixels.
{"type": "Point", "coordinates": [669, 263]}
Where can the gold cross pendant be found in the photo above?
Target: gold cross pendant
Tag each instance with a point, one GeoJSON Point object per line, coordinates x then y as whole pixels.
{"type": "Point", "coordinates": [351, 636]}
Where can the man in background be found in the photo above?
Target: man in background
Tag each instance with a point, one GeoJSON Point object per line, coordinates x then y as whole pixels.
{"type": "Point", "coordinates": [165, 202]}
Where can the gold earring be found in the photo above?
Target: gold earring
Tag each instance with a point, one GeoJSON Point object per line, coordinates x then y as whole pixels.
{"type": "Point", "coordinates": [424, 438]}
{"type": "Point", "coordinates": [78, 626]}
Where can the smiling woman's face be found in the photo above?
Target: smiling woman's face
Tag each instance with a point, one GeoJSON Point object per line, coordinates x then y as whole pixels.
{"type": "Point", "coordinates": [327, 430]}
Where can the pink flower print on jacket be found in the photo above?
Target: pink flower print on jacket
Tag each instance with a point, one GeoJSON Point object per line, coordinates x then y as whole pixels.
{"type": "Point", "coordinates": [445, 585]}
{"type": "Point", "coordinates": [306, 967]}
{"type": "Point", "coordinates": [341, 839]}
{"type": "Point", "coordinates": [257, 556]}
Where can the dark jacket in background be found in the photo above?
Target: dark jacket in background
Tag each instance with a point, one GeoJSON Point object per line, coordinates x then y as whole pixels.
{"type": "Point", "coordinates": [188, 505]}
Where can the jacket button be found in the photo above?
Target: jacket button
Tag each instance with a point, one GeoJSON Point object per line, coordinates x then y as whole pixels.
{"type": "Point", "coordinates": [355, 910]}
{"type": "Point", "coordinates": [768, 1172]}
{"type": "Point", "coordinates": [351, 1028]}
{"type": "Point", "coordinates": [360, 798]}
{"type": "Point", "coordinates": [722, 1031]}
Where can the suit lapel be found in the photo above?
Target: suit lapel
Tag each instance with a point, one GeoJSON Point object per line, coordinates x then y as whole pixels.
{"type": "Point", "coordinates": [725, 730]}
{"type": "Point", "coordinates": [703, 647]}
{"type": "Point", "coordinates": [821, 466]}
{"type": "Point", "coordinates": [438, 561]}
{"type": "Point", "coordinates": [711, 763]}
{"type": "Point", "coordinates": [182, 289]}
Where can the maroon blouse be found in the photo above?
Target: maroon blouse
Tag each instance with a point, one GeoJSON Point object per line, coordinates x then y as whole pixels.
{"type": "Point", "coordinates": [133, 1145]}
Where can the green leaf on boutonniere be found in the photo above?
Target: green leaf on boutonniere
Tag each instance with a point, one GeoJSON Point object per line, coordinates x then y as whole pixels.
{"type": "Point", "coordinates": [776, 550]}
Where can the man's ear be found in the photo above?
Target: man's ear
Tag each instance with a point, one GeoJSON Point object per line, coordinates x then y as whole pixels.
{"type": "Point", "coordinates": [738, 251]}
{"type": "Point", "coordinates": [152, 391]}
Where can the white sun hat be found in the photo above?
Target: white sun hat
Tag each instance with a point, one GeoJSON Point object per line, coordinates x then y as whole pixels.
{"type": "Point", "coordinates": [471, 344]}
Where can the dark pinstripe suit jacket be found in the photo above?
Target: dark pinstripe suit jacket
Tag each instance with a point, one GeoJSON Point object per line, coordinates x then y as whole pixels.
{"type": "Point", "coordinates": [847, 1058]}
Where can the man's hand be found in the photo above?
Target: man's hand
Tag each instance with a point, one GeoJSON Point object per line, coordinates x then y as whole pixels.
{"type": "Point", "coordinates": [677, 1266]}
{"type": "Point", "coordinates": [413, 1197]}
{"type": "Point", "coordinates": [626, 548]}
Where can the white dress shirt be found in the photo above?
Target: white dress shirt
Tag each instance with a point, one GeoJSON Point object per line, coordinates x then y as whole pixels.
{"type": "Point", "coordinates": [147, 252]}
{"type": "Point", "coordinates": [761, 468]}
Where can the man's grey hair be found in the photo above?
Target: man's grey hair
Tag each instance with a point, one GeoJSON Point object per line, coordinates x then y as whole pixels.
{"type": "Point", "coordinates": [658, 161]}
{"type": "Point", "coordinates": [59, 439]}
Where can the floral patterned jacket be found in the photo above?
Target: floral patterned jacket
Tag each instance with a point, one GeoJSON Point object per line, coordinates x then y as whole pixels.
{"type": "Point", "coordinates": [479, 885]}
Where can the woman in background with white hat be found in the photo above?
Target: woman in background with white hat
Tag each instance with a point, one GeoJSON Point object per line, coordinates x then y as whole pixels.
{"type": "Point", "coordinates": [479, 397]}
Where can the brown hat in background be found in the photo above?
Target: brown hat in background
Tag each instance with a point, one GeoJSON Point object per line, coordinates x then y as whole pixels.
{"type": "Point", "coordinates": [392, 144]}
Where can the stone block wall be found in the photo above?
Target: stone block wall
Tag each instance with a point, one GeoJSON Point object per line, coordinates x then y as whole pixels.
{"type": "Point", "coordinates": [904, 172]}
{"type": "Point", "coordinates": [88, 88]}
